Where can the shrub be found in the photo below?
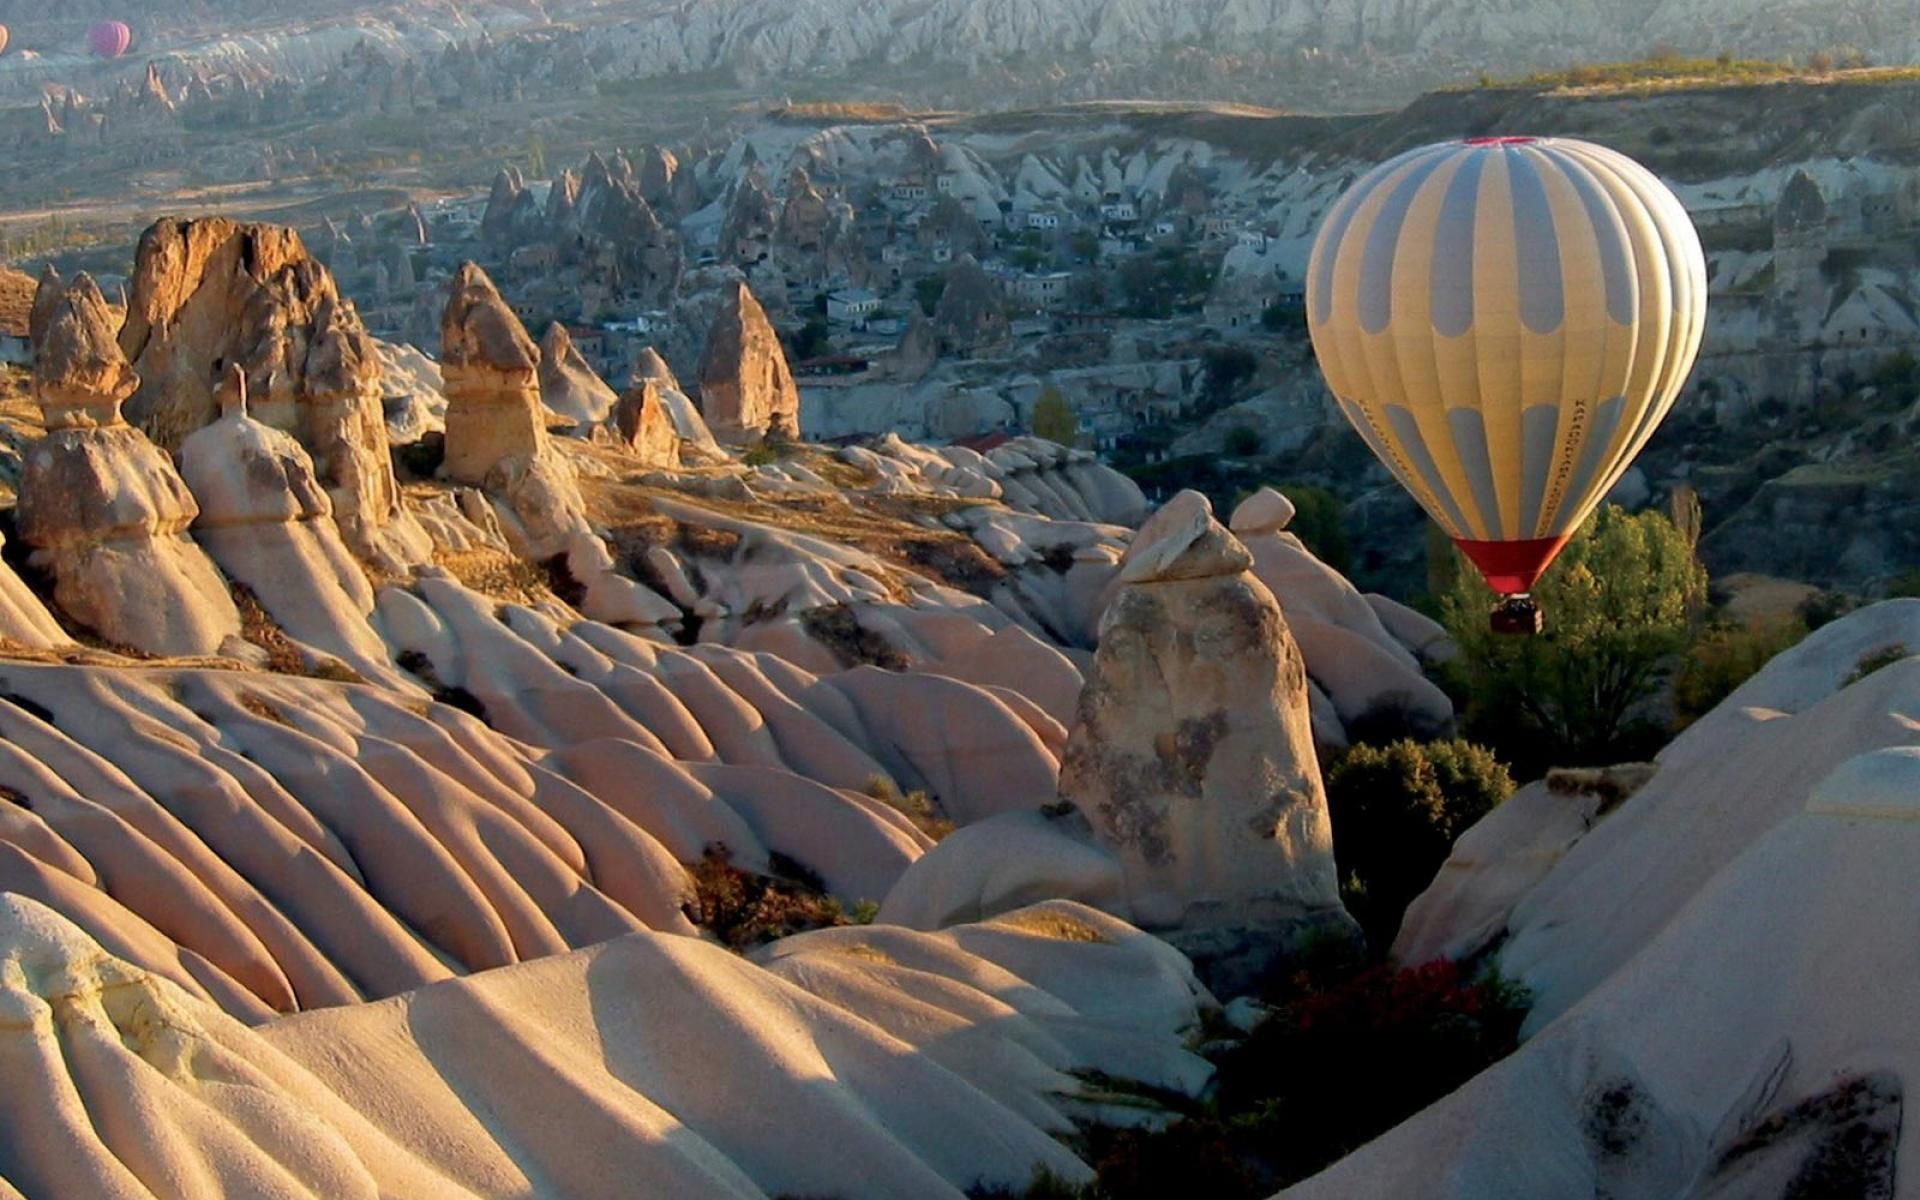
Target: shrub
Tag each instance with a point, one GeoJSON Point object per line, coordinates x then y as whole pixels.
{"type": "Point", "coordinates": [1621, 603]}
{"type": "Point", "coordinates": [916, 806]}
{"type": "Point", "coordinates": [1244, 441]}
{"type": "Point", "coordinates": [1320, 521]}
{"type": "Point", "coordinates": [1396, 811]}
{"type": "Point", "coordinates": [1878, 660]}
{"type": "Point", "coordinates": [1824, 608]}
{"type": "Point", "coordinates": [1349, 1051]}
{"type": "Point", "coordinates": [744, 910]}
{"type": "Point", "coordinates": [1054, 418]}
{"type": "Point", "coordinates": [1724, 657]}
{"type": "Point", "coordinates": [1344, 1059]}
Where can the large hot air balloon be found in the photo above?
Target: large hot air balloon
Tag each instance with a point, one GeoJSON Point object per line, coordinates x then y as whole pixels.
{"type": "Point", "coordinates": [1505, 321]}
{"type": "Point", "coordinates": [5, 37]}
{"type": "Point", "coordinates": [109, 39]}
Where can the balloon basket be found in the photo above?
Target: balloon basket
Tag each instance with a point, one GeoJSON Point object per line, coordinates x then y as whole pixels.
{"type": "Point", "coordinates": [1516, 616]}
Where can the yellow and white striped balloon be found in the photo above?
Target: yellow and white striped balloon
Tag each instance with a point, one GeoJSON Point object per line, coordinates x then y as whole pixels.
{"type": "Point", "coordinates": [1505, 321]}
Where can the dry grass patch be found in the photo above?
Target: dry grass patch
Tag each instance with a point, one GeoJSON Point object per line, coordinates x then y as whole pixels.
{"type": "Point", "coordinates": [1058, 926]}
{"type": "Point", "coordinates": [499, 575]}
{"type": "Point", "coordinates": [263, 708]}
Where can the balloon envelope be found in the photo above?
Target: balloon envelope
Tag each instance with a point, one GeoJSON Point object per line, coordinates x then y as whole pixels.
{"type": "Point", "coordinates": [1505, 321]}
{"type": "Point", "coordinates": [5, 37]}
{"type": "Point", "coordinates": [109, 39]}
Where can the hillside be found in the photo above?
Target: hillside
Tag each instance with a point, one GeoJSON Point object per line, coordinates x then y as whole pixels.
{"type": "Point", "coordinates": [1304, 50]}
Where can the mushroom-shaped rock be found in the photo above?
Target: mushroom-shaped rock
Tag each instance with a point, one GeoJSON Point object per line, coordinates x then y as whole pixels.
{"type": "Point", "coordinates": [491, 370]}
{"type": "Point", "coordinates": [264, 519]}
{"type": "Point", "coordinates": [568, 386]}
{"type": "Point", "coordinates": [103, 508]}
{"type": "Point", "coordinates": [79, 373]}
{"type": "Point", "coordinates": [746, 390]}
{"type": "Point", "coordinates": [1193, 754]}
{"type": "Point", "coordinates": [1183, 541]}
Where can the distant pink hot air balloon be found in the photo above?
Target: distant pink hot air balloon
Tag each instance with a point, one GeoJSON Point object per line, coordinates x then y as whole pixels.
{"type": "Point", "coordinates": [109, 39]}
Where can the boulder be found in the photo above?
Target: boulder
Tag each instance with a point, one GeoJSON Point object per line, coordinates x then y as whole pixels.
{"type": "Point", "coordinates": [1193, 755]}
{"type": "Point", "coordinates": [746, 391]}
{"type": "Point", "coordinates": [102, 507]}
{"type": "Point", "coordinates": [1265, 511]}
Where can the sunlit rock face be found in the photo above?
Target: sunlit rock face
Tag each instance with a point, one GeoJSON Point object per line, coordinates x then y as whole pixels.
{"type": "Point", "coordinates": [1193, 753]}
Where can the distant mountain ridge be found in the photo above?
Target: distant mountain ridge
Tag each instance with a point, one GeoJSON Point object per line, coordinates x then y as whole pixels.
{"type": "Point", "coordinates": [1402, 46]}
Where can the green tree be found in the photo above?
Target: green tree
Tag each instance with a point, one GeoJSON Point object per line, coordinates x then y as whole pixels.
{"type": "Point", "coordinates": [1396, 810]}
{"type": "Point", "coordinates": [927, 291]}
{"type": "Point", "coordinates": [1621, 604]}
{"type": "Point", "coordinates": [1320, 521]}
{"type": "Point", "coordinates": [814, 339]}
{"type": "Point", "coordinates": [1243, 441]}
{"type": "Point", "coordinates": [1054, 418]}
{"type": "Point", "coordinates": [1283, 316]}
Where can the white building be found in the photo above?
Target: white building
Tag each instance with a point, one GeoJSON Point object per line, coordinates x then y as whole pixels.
{"type": "Point", "coordinates": [852, 306]}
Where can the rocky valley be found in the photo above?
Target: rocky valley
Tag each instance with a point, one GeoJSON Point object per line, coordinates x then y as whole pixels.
{"type": "Point", "coordinates": [727, 600]}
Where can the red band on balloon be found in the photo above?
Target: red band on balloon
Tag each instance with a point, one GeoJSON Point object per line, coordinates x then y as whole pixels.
{"type": "Point", "coordinates": [1512, 568]}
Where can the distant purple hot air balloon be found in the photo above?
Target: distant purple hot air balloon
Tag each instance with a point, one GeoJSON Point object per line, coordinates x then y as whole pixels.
{"type": "Point", "coordinates": [109, 39]}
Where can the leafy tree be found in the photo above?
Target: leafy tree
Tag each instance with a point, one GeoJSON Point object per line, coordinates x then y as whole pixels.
{"type": "Point", "coordinates": [1621, 604]}
{"type": "Point", "coordinates": [1320, 521]}
{"type": "Point", "coordinates": [1284, 317]}
{"type": "Point", "coordinates": [1396, 811]}
{"type": "Point", "coordinates": [1725, 656]}
{"type": "Point", "coordinates": [1085, 245]}
{"type": "Point", "coordinates": [814, 339]}
{"type": "Point", "coordinates": [1054, 418]}
{"type": "Point", "coordinates": [927, 292]}
{"type": "Point", "coordinates": [1244, 441]}
{"type": "Point", "coordinates": [1226, 368]}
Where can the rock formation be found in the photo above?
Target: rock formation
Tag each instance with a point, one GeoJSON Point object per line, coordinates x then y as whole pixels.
{"type": "Point", "coordinates": [696, 440]}
{"type": "Point", "coordinates": [102, 507]}
{"type": "Point", "coordinates": [265, 519]}
{"type": "Point", "coordinates": [640, 422]}
{"type": "Point", "coordinates": [971, 316]}
{"type": "Point", "coordinates": [903, 1066]}
{"type": "Point", "coordinates": [210, 293]}
{"type": "Point", "coordinates": [1193, 753]}
{"type": "Point", "coordinates": [746, 237]}
{"type": "Point", "coordinates": [569, 387]}
{"type": "Point", "coordinates": [746, 391]}
{"type": "Point", "coordinates": [491, 372]}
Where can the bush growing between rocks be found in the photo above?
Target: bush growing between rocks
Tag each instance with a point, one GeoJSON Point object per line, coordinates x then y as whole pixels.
{"type": "Point", "coordinates": [744, 910]}
{"type": "Point", "coordinates": [1396, 810]}
{"type": "Point", "coordinates": [1350, 1050]}
{"type": "Point", "coordinates": [1726, 656]}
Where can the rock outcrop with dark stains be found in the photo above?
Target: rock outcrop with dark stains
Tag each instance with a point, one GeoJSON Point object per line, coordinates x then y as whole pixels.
{"type": "Point", "coordinates": [1193, 753]}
